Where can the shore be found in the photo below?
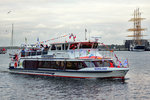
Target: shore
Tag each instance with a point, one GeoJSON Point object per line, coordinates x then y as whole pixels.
{"type": "Point", "coordinates": [102, 48]}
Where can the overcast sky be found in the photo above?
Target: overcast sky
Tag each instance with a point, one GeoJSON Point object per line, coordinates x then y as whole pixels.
{"type": "Point", "coordinates": [48, 19]}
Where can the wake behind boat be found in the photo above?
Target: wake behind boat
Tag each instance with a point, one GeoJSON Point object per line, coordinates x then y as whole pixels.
{"type": "Point", "coordinates": [69, 59]}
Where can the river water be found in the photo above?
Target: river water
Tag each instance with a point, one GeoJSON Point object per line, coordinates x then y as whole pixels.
{"type": "Point", "coordinates": [25, 87]}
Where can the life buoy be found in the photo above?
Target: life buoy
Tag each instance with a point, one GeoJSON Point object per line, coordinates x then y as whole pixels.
{"type": "Point", "coordinates": [15, 64]}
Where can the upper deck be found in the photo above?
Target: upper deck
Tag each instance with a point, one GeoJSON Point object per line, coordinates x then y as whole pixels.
{"type": "Point", "coordinates": [81, 50]}
{"type": "Point", "coordinates": [75, 50]}
{"type": "Point", "coordinates": [73, 45]}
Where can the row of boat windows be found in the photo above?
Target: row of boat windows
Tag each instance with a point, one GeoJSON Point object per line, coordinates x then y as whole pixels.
{"type": "Point", "coordinates": [32, 53]}
{"type": "Point", "coordinates": [65, 64]}
{"type": "Point", "coordinates": [73, 46]}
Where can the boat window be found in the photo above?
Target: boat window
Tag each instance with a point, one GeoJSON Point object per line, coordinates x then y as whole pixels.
{"type": "Point", "coordinates": [81, 65]}
{"type": "Point", "coordinates": [100, 64]}
{"type": "Point", "coordinates": [53, 47]}
{"type": "Point", "coordinates": [73, 46]}
{"type": "Point", "coordinates": [66, 46]}
{"type": "Point", "coordinates": [62, 64]}
{"type": "Point", "coordinates": [85, 45]}
{"type": "Point", "coordinates": [63, 47]}
{"type": "Point", "coordinates": [89, 64]}
{"type": "Point", "coordinates": [59, 64]}
{"type": "Point", "coordinates": [30, 64]}
{"type": "Point", "coordinates": [53, 64]}
{"type": "Point", "coordinates": [44, 64]}
{"type": "Point", "coordinates": [95, 45]}
{"type": "Point", "coordinates": [139, 47]}
{"type": "Point", "coordinates": [71, 65]}
{"type": "Point", "coordinates": [105, 63]}
{"type": "Point", "coordinates": [58, 47]}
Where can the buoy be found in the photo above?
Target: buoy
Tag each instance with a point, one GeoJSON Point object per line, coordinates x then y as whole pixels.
{"type": "Point", "coordinates": [15, 64]}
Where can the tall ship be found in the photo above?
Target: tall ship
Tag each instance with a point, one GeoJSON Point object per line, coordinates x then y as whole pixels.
{"type": "Point", "coordinates": [138, 43]}
{"type": "Point", "coordinates": [68, 59]}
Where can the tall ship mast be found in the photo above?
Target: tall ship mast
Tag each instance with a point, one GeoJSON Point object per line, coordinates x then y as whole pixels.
{"type": "Point", "coordinates": [137, 29]}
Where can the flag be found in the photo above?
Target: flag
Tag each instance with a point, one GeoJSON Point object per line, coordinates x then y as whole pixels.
{"type": "Point", "coordinates": [125, 63]}
{"type": "Point", "coordinates": [116, 57]}
{"type": "Point", "coordinates": [70, 36]}
{"type": "Point", "coordinates": [74, 38]}
{"type": "Point", "coordinates": [120, 63]}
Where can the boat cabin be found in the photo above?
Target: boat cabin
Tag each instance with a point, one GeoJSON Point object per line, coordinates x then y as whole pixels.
{"type": "Point", "coordinates": [64, 65]}
{"type": "Point", "coordinates": [59, 46]}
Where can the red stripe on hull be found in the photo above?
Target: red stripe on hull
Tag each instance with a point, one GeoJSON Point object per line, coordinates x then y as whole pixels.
{"type": "Point", "coordinates": [55, 75]}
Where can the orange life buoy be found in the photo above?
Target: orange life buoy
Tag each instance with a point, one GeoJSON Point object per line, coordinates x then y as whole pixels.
{"type": "Point", "coordinates": [15, 64]}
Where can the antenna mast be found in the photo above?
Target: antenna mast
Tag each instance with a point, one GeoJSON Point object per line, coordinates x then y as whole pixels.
{"type": "Point", "coordinates": [85, 34]}
{"type": "Point", "coordinates": [12, 35]}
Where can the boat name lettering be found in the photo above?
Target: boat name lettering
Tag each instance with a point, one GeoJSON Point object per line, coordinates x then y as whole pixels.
{"type": "Point", "coordinates": [100, 68]}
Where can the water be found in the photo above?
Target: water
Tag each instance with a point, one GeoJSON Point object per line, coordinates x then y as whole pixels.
{"type": "Point", "coordinates": [26, 87]}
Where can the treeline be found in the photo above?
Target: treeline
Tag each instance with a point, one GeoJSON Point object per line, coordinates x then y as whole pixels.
{"type": "Point", "coordinates": [11, 47]}
{"type": "Point", "coordinates": [111, 47]}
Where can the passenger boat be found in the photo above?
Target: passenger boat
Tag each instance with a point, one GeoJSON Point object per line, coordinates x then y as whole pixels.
{"type": "Point", "coordinates": [69, 59]}
{"type": "Point", "coordinates": [138, 48]}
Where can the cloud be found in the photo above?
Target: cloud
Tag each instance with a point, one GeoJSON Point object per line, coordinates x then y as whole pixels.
{"type": "Point", "coordinates": [40, 26]}
{"type": "Point", "coordinates": [50, 18]}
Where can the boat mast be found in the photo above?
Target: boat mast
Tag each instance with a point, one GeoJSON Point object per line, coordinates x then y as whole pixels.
{"type": "Point", "coordinates": [12, 35]}
{"type": "Point", "coordinates": [137, 30]}
{"type": "Point", "coordinates": [85, 34]}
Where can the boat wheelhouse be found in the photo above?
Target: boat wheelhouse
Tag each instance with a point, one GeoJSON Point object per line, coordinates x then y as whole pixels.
{"type": "Point", "coordinates": [71, 59]}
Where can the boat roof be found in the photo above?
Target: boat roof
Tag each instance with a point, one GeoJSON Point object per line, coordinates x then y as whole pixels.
{"type": "Point", "coordinates": [68, 59]}
{"type": "Point", "coordinates": [72, 42]}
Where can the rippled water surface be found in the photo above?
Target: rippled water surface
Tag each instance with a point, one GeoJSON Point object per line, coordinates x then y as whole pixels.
{"type": "Point", "coordinates": [26, 87]}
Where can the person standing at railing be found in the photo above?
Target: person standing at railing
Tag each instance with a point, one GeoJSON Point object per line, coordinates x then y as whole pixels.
{"type": "Point", "coordinates": [22, 53]}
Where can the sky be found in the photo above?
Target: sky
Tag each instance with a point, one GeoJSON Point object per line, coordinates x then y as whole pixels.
{"type": "Point", "coordinates": [48, 19]}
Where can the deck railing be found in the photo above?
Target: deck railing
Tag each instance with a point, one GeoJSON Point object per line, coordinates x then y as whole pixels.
{"type": "Point", "coordinates": [33, 53]}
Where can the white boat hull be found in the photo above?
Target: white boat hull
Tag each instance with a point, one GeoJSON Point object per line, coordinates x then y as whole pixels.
{"type": "Point", "coordinates": [109, 73]}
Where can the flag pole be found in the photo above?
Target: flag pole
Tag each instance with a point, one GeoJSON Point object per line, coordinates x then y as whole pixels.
{"type": "Point", "coordinates": [12, 35]}
{"type": "Point", "coordinates": [85, 34]}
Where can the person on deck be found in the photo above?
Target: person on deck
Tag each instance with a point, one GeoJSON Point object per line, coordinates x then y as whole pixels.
{"type": "Point", "coordinates": [3, 49]}
{"type": "Point", "coordinates": [22, 53]}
